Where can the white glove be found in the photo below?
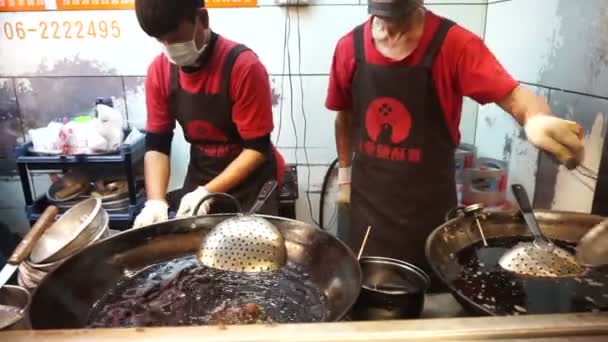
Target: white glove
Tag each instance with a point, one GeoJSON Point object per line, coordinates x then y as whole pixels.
{"type": "Point", "coordinates": [561, 138]}
{"type": "Point", "coordinates": [344, 180]}
{"type": "Point", "coordinates": [154, 211]}
{"type": "Point", "coordinates": [191, 200]}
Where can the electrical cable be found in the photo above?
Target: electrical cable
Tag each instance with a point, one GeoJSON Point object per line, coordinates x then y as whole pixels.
{"type": "Point", "coordinates": [285, 47]}
{"type": "Point", "coordinates": [305, 128]}
{"type": "Point", "coordinates": [581, 181]}
{"type": "Point", "coordinates": [290, 79]}
{"type": "Point", "coordinates": [586, 172]}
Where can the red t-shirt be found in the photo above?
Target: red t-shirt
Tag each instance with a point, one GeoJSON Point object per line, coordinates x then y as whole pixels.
{"type": "Point", "coordinates": [249, 91]}
{"type": "Point", "coordinates": [464, 66]}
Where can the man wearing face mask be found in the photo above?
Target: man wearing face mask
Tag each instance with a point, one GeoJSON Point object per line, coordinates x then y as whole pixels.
{"type": "Point", "coordinates": [220, 94]}
{"type": "Point", "coordinates": [398, 82]}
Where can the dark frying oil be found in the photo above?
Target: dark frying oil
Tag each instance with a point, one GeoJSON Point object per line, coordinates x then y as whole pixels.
{"type": "Point", "coordinates": [504, 293]}
{"type": "Point", "coordinates": [183, 292]}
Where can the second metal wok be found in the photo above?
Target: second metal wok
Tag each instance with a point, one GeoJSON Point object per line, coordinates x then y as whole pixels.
{"type": "Point", "coordinates": [445, 247]}
{"type": "Point", "coordinates": [65, 297]}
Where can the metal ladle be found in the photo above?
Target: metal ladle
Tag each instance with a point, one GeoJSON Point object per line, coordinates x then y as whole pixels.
{"type": "Point", "coordinates": [540, 258]}
{"type": "Point", "coordinates": [246, 242]}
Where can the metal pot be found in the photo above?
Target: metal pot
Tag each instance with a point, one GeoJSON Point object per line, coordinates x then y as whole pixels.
{"type": "Point", "coordinates": [392, 289]}
{"type": "Point", "coordinates": [66, 295]}
{"type": "Point", "coordinates": [20, 298]}
{"type": "Point", "coordinates": [461, 232]}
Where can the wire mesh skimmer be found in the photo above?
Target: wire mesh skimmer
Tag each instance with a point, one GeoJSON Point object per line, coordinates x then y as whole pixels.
{"type": "Point", "coordinates": [539, 258]}
{"type": "Point", "coordinates": [244, 243]}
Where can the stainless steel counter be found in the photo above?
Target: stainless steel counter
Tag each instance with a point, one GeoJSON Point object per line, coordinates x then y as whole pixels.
{"type": "Point", "coordinates": [443, 319]}
{"type": "Point", "coordinates": [554, 328]}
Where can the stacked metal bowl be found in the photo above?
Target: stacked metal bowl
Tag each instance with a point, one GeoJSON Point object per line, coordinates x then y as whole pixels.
{"type": "Point", "coordinates": [75, 187]}
{"type": "Point", "coordinates": [71, 189]}
{"type": "Point", "coordinates": [114, 195]}
{"type": "Point", "coordinates": [83, 225]}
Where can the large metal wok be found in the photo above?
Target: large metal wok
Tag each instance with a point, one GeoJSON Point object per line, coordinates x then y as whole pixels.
{"type": "Point", "coordinates": [461, 233]}
{"type": "Point", "coordinates": [65, 297]}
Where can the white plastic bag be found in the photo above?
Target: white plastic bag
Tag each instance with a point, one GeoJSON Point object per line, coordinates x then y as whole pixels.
{"type": "Point", "coordinates": [46, 139]}
{"type": "Point", "coordinates": [108, 124]}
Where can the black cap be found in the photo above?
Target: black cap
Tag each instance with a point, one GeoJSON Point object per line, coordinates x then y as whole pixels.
{"type": "Point", "coordinates": [392, 8]}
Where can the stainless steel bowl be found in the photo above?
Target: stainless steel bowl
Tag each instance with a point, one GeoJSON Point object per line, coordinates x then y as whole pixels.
{"type": "Point", "coordinates": [71, 178]}
{"type": "Point", "coordinates": [31, 274]}
{"type": "Point", "coordinates": [102, 233]}
{"type": "Point", "coordinates": [120, 205]}
{"type": "Point", "coordinates": [115, 190]}
{"type": "Point", "coordinates": [74, 230]}
{"type": "Point", "coordinates": [117, 204]}
{"type": "Point", "coordinates": [17, 297]}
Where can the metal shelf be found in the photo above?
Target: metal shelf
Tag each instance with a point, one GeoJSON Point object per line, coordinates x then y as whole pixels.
{"type": "Point", "coordinates": [123, 161]}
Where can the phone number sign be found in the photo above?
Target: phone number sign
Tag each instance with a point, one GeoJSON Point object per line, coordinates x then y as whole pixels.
{"type": "Point", "coordinates": [70, 5]}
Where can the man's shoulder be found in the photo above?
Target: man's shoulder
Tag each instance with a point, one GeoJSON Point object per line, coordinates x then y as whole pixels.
{"type": "Point", "coordinates": [345, 48]}
{"type": "Point", "coordinates": [347, 41]}
{"type": "Point", "coordinates": [457, 38]}
{"type": "Point", "coordinates": [245, 60]}
{"type": "Point", "coordinates": [159, 67]}
{"type": "Point", "coordinates": [458, 35]}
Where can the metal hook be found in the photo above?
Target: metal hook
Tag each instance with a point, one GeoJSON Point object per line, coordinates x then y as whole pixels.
{"type": "Point", "coordinates": [236, 203]}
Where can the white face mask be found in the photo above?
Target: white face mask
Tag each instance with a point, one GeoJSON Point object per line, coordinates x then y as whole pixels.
{"type": "Point", "coordinates": [186, 54]}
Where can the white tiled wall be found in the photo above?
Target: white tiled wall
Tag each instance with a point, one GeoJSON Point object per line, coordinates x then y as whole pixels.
{"type": "Point", "coordinates": [560, 46]}
{"type": "Point", "coordinates": [264, 30]}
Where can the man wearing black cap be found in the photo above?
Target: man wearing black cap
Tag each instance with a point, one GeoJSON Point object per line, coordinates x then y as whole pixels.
{"type": "Point", "coordinates": [397, 83]}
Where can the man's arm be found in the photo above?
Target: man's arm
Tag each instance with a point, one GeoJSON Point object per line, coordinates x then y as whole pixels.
{"type": "Point", "coordinates": [159, 131]}
{"type": "Point", "coordinates": [344, 135]}
{"type": "Point", "coordinates": [523, 104]}
{"type": "Point", "coordinates": [481, 77]}
{"type": "Point", "coordinates": [339, 99]}
{"type": "Point", "coordinates": [237, 171]}
{"type": "Point", "coordinates": [157, 168]}
{"type": "Point", "coordinates": [562, 139]}
{"type": "Point", "coordinates": [252, 115]}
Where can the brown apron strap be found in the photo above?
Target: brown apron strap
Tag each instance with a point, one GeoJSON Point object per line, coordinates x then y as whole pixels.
{"type": "Point", "coordinates": [359, 44]}
{"type": "Point", "coordinates": [437, 42]}
{"type": "Point", "coordinates": [228, 66]}
{"type": "Point", "coordinates": [174, 78]}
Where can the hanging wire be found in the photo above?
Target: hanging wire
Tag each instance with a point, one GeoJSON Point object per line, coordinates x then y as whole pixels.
{"type": "Point", "coordinates": [586, 172]}
{"type": "Point", "coordinates": [285, 47]}
{"type": "Point", "coordinates": [305, 128]}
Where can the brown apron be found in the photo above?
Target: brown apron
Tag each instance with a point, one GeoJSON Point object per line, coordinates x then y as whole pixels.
{"type": "Point", "coordinates": [403, 169]}
{"type": "Point", "coordinates": [215, 141]}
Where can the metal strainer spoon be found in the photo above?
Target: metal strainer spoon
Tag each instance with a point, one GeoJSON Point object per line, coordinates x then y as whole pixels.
{"type": "Point", "coordinates": [246, 242]}
{"type": "Point", "coordinates": [540, 258]}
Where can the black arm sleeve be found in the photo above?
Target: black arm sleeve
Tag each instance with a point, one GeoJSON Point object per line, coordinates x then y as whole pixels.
{"type": "Point", "coordinates": [261, 144]}
{"type": "Point", "coordinates": [160, 142]}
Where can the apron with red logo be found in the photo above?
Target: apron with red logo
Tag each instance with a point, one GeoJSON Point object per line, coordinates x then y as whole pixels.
{"type": "Point", "coordinates": [215, 141]}
{"type": "Point", "coordinates": [403, 170]}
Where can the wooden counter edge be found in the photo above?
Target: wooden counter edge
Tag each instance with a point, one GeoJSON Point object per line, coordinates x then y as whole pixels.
{"type": "Point", "coordinates": [482, 328]}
